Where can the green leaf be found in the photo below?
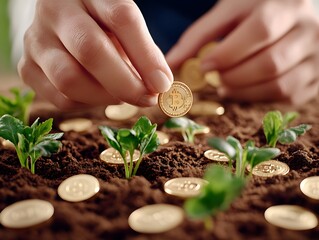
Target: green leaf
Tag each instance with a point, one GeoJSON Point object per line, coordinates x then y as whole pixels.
{"type": "Point", "coordinates": [46, 148]}
{"type": "Point", "coordinates": [287, 136]}
{"type": "Point", "coordinates": [150, 142]}
{"type": "Point", "coordinates": [288, 118]}
{"type": "Point", "coordinates": [258, 155]}
{"type": "Point", "coordinates": [142, 127]}
{"type": "Point", "coordinates": [222, 146]}
{"type": "Point", "coordinates": [272, 125]}
{"type": "Point", "coordinates": [10, 127]}
{"type": "Point", "coordinates": [127, 140]}
{"type": "Point", "coordinates": [178, 123]}
{"type": "Point", "coordinates": [110, 136]}
{"type": "Point", "coordinates": [301, 129]}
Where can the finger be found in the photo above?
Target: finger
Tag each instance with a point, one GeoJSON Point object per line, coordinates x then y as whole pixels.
{"type": "Point", "coordinates": [90, 46]}
{"type": "Point", "coordinates": [259, 30]}
{"type": "Point", "coordinates": [210, 27]}
{"type": "Point", "coordinates": [33, 76]}
{"type": "Point", "coordinates": [125, 21]}
{"type": "Point", "coordinates": [279, 89]}
{"type": "Point", "coordinates": [272, 61]}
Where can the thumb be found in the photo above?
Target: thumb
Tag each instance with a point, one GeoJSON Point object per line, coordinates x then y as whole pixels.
{"type": "Point", "coordinates": [212, 26]}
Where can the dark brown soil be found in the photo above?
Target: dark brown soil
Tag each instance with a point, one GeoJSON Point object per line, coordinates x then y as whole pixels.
{"type": "Point", "coordinates": [105, 215]}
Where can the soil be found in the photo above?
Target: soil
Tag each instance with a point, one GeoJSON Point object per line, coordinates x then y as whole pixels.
{"type": "Point", "coordinates": [105, 215]}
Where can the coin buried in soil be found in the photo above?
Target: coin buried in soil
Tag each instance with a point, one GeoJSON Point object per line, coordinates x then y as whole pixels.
{"type": "Point", "coordinates": [291, 217]}
{"type": "Point", "coordinates": [78, 188]}
{"type": "Point", "coordinates": [112, 156]}
{"type": "Point", "coordinates": [185, 187]}
{"type": "Point", "coordinates": [26, 213]}
{"type": "Point", "coordinates": [310, 187]}
{"type": "Point", "coordinates": [177, 101]}
{"type": "Point", "coordinates": [156, 218]}
{"type": "Point", "coordinates": [270, 168]}
{"type": "Point", "coordinates": [191, 75]}
{"type": "Point", "coordinates": [121, 112]}
{"type": "Point", "coordinates": [207, 108]}
{"type": "Point", "coordinates": [163, 137]}
{"type": "Point", "coordinates": [76, 124]}
{"type": "Point", "coordinates": [216, 155]}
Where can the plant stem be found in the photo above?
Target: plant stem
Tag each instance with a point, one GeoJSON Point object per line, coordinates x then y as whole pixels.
{"type": "Point", "coordinates": [137, 164]}
{"type": "Point", "coordinates": [208, 222]}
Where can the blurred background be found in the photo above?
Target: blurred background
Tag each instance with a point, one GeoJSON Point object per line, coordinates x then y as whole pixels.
{"type": "Point", "coordinates": [14, 20]}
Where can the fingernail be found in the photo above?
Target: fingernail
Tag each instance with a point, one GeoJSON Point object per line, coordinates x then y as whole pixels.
{"type": "Point", "coordinates": [147, 100]}
{"type": "Point", "coordinates": [159, 82]}
{"type": "Point", "coordinates": [207, 66]}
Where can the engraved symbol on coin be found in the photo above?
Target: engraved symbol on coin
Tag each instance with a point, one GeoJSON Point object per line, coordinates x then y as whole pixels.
{"type": "Point", "coordinates": [111, 155]}
{"type": "Point", "coordinates": [78, 188]}
{"type": "Point", "coordinates": [270, 168]}
{"type": "Point", "coordinates": [216, 155]}
{"type": "Point", "coordinates": [177, 101]}
{"type": "Point", "coordinates": [184, 187]}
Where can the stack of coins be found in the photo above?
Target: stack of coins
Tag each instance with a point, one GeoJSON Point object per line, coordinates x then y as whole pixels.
{"type": "Point", "coordinates": [191, 74]}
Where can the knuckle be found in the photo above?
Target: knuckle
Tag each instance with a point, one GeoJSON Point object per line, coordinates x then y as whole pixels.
{"type": "Point", "coordinates": [86, 47]}
{"type": "Point", "coordinates": [124, 14]}
{"type": "Point", "coordinates": [265, 23]}
{"type": "Point", "coordinates": [282, 89]}
{"type": "Point", "coordinates": [273, 63]}
{"type": "Point", "coordinates": [64, 76]}
{"type": "Point", "coordinates": [24, 69]}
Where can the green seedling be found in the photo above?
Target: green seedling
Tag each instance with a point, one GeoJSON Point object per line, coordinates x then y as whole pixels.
{"type": "Point", "coordinates": [141, 137]}
{"type": "Point", "coordinates": [249, 155]}
{"type": "Point", "coordinates": [275, 126]}
{"type": "Point", "coordinates": [18, 106]}
{"type": "Point", "coordinates": [187, 127]}
{"type": "Point", "coordinates": [222, 188]}
{"type": "Point", "coordinates": [32, 142]}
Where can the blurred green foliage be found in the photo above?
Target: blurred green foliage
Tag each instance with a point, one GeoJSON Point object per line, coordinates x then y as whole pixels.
{"type": "Point", "coordinates": [5, 43]}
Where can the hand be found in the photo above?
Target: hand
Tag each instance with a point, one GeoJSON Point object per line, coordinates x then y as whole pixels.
{"type": "Point", "coordinates": [80, 53]}
{"type": "Point", "coordinates": [269, 51]}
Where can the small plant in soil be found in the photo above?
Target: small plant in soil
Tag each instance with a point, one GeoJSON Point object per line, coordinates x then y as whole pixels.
{"type": "Point", "coordinates": [244, 156]}
{"type": "Point", "coordinates": [141, 137]}
{"type": "Point", "coordinates": [275, 126]}
{"type": "Point", "coordinates": [217, 195]}
{"type": "Point", "coordinates": [18, 106]}
{"type": "Point", "coordinates": [30, 142]}
{"type": "Point", "coordinates": [187, 127]}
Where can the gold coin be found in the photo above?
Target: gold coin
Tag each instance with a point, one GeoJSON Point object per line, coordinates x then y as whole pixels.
{"type": "Point", "coordinates": [191, 75]}
{"type": "Point", "coordinates": [76, 124]}
{"type": "Point", "coordinates": [206, 108]}
{"type": "Point", "coordinates": [291, 217]}
{"type": "Point", "coordinates": [177, 101]}
{"type": "Point", "coordinates": [163, 137]}
{"type": "Point", "coordinates": [212, 78]}
{"type": "Point", "coordinates": [7, 144]}
{"type": "Point", "coordinates": [310, 187]}
{"type": "Point", "coordinates": [26, 213]}
{"type": "Point", "coordinates": [156, 218]}
{"type": "Point", "coordinates": [206, 49]}
{"type": "Point", "coordinates": [78, 188]}
{"type": "Point", "coordinates": [185, 187]}
{"type": "Point", "coordinates": [270, 168]}
{"type": "Point", "coordinates": [215, 155]}
{"type": "Point", "coordinates": [121, 112]}
{"type": "Point", "coordinates": [112, 156]}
